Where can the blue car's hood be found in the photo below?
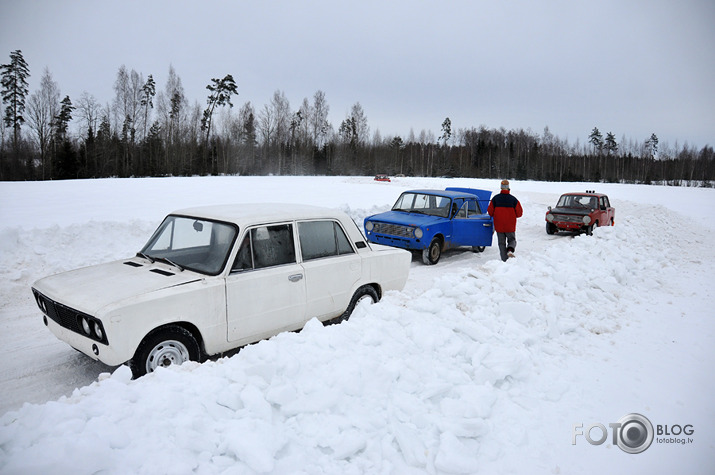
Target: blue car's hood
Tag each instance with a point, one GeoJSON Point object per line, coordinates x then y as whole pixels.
{"type": "Point", "coordinates": [405, 219]}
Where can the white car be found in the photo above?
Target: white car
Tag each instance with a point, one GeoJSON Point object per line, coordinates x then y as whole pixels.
{"type": "Point", "coordinates": [216, 278]}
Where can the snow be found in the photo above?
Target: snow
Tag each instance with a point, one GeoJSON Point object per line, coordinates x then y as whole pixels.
{"type": "Point", "coordinates": [477, 366]}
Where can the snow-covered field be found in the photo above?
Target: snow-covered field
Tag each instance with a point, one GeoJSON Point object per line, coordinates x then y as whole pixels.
{"type": "Point", "coordinates": [478, 366]}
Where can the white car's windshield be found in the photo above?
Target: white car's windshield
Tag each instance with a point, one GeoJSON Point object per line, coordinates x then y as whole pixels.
{"type": "Point", "coordinates": [423, 203]}
{"type": "Point", "coordinates": [191, 243]}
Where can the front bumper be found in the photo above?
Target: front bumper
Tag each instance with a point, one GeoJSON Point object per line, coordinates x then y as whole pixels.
{"type": "Point", "coordinates": [394, 241]}
{"type": "Point", "coordinates": [63, 322]}
{"type": "Point", "coordinates": [566, 226]}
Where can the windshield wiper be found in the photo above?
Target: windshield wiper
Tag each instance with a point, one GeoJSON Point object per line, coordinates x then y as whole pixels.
{"type": "Point", "coordinates": [170, 262]}
{"type": "Point", "coordinates": [416, 211]}
{"type": "Point", "coordinates": [148, 258]}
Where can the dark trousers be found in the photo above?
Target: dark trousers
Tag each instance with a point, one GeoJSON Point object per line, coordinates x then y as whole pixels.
{"type": "Point", "coordinates": [507, 243]}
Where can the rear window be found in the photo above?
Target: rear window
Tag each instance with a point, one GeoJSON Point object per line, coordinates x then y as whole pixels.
{"type": "Point", "coordinates": [320, 239]}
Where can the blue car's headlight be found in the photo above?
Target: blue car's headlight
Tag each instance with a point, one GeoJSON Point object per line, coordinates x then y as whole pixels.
{"type": "Point", "coordinates": [418, 233]}
{"type": "Point", "coordinates": [369, 225]}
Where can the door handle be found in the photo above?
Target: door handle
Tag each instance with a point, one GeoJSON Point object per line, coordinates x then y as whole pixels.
{"type": "Point", "coordinates": [295, 277]}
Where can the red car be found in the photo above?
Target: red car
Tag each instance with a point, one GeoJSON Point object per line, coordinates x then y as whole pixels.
{"type": "Point", "coordinates": [382, 178]}
{"type": "Point", "coordinates": [580, 213]}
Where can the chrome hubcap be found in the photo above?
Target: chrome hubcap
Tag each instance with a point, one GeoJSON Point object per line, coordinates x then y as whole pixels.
{"type": "Point", "coordinates": [166, 354]}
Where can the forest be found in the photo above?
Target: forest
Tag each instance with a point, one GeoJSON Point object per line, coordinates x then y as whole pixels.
{"type": "Point", "coordinates": [150, 131]}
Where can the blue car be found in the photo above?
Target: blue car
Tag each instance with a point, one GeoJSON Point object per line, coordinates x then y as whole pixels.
{"type": "Point", "coordinates": [432, 221]}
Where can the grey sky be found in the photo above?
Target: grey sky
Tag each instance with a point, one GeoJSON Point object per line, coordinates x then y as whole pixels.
{"type": "Point", "coordinates": [628, 67]}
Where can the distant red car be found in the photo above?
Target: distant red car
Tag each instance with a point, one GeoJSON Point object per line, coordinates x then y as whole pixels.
{"type": "Point", "coordinates": [580, 213]}
{"type": "Point", "coordinates": [382, 178]}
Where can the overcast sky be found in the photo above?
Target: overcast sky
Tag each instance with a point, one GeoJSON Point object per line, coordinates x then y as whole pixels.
{"type": "Point", "coordinates": [628, 67]}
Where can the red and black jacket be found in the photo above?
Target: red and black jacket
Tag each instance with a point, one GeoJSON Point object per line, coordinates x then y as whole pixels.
{"type": "Point", "coordinates": [504, 208]}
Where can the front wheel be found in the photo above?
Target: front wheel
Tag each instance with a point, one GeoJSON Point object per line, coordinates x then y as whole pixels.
{"type": "Point", "coordinates": [365, 293]}
{"type": "Point", "coordinates": [478, 248]}
{"type": "Point", "coordinates": [551, 228]}
{"type": "Point", "coordinates": [164, 347]}
{"type": "Point", "coordinates": [431, 255]}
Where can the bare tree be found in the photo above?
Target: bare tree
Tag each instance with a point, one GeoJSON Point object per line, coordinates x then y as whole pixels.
{"type": "Point", "coordinates": [42, 108]}
{"type": "Point", "coordinates": [88, 111]}
{"type": "Point", "coordinates": [319, 126]}
{"type": "Point", "coordinates": [362, 130]}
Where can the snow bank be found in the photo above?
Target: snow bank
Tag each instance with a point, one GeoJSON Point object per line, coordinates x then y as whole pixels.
{"type": "Point", "coordinates": [478, 366]}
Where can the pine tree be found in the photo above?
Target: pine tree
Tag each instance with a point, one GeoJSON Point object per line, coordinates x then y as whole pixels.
{"type": "Point", "coordinates": [596, 139]}
{"type": "Point", "coordinates": [148, 93]}
{"type": "Point", "coordinates": [221, 92]}
{"type": "Point", "coordinates": [14, 90]}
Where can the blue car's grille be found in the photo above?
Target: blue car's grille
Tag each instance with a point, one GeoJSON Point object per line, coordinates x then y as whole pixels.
{"type": "Point", "coordinates": [394, 230]}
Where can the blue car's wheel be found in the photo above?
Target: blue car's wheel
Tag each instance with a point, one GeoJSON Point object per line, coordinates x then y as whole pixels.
{"type": "Point", "coordinates": [478, 248]}
{"type": "Point", "coordinates": [431, 255]}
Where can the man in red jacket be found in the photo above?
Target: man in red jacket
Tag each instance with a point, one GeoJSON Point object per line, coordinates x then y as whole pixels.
{"type": "Point", "coordinates": [505, 208]}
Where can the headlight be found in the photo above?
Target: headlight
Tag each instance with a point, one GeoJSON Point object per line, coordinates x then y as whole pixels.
{"type": "Point", "coordinates": [549, 217]}
{"type": "Point", "coordinates": [418, 233]}
{"type": "Point", "coordinates": [586, 219]}
{"type": "Point", "coordinates": [85, 325]}
{"type": "Point", "coordinates": [369, 225]}
{"type": "Point", "coordinates": [98, 331]}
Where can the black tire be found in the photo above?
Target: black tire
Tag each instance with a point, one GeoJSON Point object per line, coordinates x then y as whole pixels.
{"type": "Point", "coordinates": [163, 347]}
{"type": "Point", "coordinates": [364, 292]}
{"type": "Point", "coordinates": [589, 230]}
{"type": "Point", "coordinates": [478, 248]}
{"type": "Point", "coordinates": [551, 228]}
{"type": "Point", "coordinates": [431, 255]}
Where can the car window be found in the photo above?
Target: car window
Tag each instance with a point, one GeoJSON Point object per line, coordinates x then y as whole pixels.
{"type": "Point", "coordinates": [474, 207]}
{"type": "Point", "coordinates": [423, 203]}
{"type": "Point", "coordinates": [462, 213]}
{"type": "Point", "coordinates": [197, 244]}
{"type": "Point", "coordinates": [322, 239]}
{"type": "Point", "coordinates": [266, 246]}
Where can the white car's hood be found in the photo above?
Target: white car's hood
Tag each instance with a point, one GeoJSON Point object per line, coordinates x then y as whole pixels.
{"type": "Point", "coordinates": [91, 288]}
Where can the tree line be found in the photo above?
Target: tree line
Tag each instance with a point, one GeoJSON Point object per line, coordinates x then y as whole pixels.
{"type": "Point", "coordinates": [150, 132]}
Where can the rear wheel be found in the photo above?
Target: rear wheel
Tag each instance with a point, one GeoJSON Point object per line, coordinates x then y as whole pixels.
{"type": "Point", "coordinates": [478, 248]}
{"type": "Point", "coordinates": [431, 255]}
{"type": "Point", "coordinates": [164, 347]}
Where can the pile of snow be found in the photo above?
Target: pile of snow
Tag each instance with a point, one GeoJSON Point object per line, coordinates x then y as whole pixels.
{"type": "Point", "coordinates": [478, 366]}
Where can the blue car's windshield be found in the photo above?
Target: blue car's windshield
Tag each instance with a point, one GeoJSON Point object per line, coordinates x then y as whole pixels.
{"type": "Point", "coordinates": [422, 203]}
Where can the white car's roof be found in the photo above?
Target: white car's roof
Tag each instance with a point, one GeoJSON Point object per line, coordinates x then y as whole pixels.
{"type": "Point", "coordinates": [246, 213]}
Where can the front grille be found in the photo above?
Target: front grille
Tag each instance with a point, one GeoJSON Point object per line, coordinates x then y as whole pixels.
{"type": "Point", "coordinates": [394, 230]}
{"type": "Point", "coordinates": [65, 316]}
{"type": "Point", "coordinates": [570, 218]}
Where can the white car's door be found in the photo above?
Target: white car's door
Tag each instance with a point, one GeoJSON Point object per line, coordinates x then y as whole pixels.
{"type": "Point", "coordinates": [331, 267]}
{"type": "Point", "coordinates": [265, 291]}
